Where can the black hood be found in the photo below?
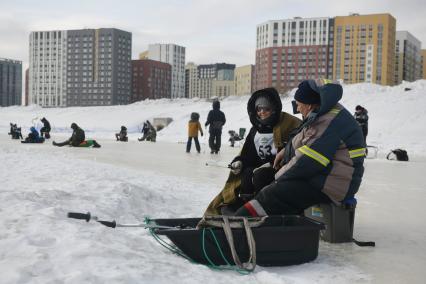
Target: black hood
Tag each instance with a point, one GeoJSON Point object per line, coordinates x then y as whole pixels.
{"type": "Point", "coordinates": [272, 95]}
{"type": "Point", "coordinates": [216, 105]}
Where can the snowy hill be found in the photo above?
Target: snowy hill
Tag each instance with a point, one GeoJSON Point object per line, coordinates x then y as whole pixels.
{"type": "Point", "coordinates": [397, 117]}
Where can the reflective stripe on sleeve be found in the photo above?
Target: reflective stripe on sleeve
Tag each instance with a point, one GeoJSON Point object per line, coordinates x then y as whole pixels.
{"type": "Point", "coordinates": [357, 153]}
{"type": "Point", "coordinates": [314, 155]}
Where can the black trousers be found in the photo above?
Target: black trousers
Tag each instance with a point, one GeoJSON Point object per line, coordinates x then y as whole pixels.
{"type": "Point", "coordinates": [215, 139]}
{"type": "Point", "coordinates": [288, 197]}
{"type": "Point", "coordinates": [197, 144]}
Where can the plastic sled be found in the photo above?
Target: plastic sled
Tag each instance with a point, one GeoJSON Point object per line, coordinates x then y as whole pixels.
{"type": "Point", "coordinates": [280, 240]}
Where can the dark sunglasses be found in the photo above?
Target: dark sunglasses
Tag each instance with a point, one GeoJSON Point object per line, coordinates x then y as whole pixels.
{"type": "Point", "coordinates": [265, 109]}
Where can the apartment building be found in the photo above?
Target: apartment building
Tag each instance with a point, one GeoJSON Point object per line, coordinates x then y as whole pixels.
{"type": "Point", "coordinates": [10, 82]}
{"type": "Point", "coordinates": [191, 80]}
{"type": "Point", "coordinates": [175, 56]}
{"type": "Point", "coordinates": [150, 79]}
{"type": "Point", "coordinates": [364, 48]}
{"type": "Point", "coordinates": [215, 80]}
{"type": "Point", "coordinates": [244, 80]}
{"type": "Point", "coordinates": [289, 51]}
{"type": "Point", "coordinates": [408, 58]}
{"type": "Point", "coordinates": [88, 67]}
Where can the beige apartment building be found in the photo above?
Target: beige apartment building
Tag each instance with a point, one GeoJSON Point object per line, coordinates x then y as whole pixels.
{"type": "Point", "coordinates": [243, 78]}
{"type": "Point", "coordinates": [222, 88]}
{"type": "Point", "coordinates": [364, 48]}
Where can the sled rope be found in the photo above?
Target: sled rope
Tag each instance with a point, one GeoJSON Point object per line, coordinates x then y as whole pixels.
{"type": "Point", "coordinates": [214, 266]}
{"type": "Point", "coordinates": [211, 265]}
{"type": "Point", "coordinates": [251, 263]}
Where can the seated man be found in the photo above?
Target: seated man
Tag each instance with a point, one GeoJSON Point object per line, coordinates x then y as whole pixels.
{"type": "Point", "coordinates": [322, 163]}
{"type": "Point", "coordinates": [122, 136]}
{"type": "Point", "coordinates": [77, 139]}
{"type": "Point", "coordinates": [33, 137]}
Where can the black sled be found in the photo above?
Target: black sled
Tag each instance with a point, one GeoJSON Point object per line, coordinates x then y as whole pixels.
{"type": "Point", "coordinates": [279, 241]}
{"type": "Point", "coordinates": [269, 241]}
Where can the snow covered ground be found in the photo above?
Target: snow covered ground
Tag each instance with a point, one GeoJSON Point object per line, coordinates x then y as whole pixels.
{"type": "Point", "coordinates": [127, 181]}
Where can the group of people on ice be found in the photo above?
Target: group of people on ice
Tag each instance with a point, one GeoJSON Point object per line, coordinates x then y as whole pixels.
{"type": "Point", "coordinates": [77, 138]}
{"type": "Point", "coordinates": [34, 136]}
{"type": "Point", "coordinates": [286, 164]}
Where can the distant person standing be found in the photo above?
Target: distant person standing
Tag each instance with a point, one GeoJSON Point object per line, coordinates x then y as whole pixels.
{"type": "Point", "coordinates": [216, 120]}
{"type": "Point", "coordinates": [193, 127]}
{"type": "Point", "coordinates": [361, 116]}
{"type": "Point", "coordinates": [45, 130]}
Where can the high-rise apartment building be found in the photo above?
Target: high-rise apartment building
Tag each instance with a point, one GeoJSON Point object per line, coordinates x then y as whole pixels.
{"type": "Point", "coordinates": [87, 67]}
{"type": "Point", "coordinates": [423, 63]}
{"type": "Point", "coordinates": [175, 56]}
{"type": "Point", "coordinates": [364, 48]}
{"type": "Point", "coordinates": [289, 51]}
{"type": "Point", "coordinates": [408, 58]}
{"type": "Point", "coordinates": [10, 82]}
{"type": "Point", "coordinates": [244, 80]}
{"type": "Point", "coordinates": [150, 79]}
{"type": "Point", "coordinates": [27, 75]}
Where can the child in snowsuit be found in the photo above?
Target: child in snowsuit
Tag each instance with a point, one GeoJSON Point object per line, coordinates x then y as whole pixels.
{"type": "Point", "coordinates": [45, 130]}
{"type": "Point", "coordinates": [122, 136]}
{"type": "Point", "coordinates": [193, 127]}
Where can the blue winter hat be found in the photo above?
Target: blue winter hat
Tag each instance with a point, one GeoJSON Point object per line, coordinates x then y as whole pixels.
{"type": "Point", "coordinates": [306, 94]}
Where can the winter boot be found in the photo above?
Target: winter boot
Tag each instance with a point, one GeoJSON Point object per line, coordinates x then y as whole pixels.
{"type": "Point", "coordinates": [95, 144]}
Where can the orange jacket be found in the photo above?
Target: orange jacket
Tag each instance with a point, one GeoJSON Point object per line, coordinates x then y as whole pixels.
{"type": "Point", "coordinates": [193, 127]}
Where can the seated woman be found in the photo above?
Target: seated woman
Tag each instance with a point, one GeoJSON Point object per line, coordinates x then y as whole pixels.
{"type": "Point", "coordinates": [252, 168]}
{"type": "Point", "coordinates": [33, 137]}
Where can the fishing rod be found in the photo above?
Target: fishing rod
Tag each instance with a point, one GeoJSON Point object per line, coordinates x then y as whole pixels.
{"type": "Point", "coordinates": [213, 164]}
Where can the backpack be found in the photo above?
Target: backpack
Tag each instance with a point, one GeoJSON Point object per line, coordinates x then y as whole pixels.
{"type": "Point", "coordinates": [397, 154]}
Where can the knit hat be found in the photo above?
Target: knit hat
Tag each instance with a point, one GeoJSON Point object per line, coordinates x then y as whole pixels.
{"type": "Point", "coordinates": [306, 95]}
{"type": "Point", "coordinates": [262, 101]}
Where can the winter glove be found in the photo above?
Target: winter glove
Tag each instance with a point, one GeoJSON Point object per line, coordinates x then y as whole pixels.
{"type": "Point", "coordinates": [236, 167]}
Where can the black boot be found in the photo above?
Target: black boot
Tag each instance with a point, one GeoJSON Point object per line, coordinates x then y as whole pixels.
{"type": "Point", "coordinates": [95, 144]}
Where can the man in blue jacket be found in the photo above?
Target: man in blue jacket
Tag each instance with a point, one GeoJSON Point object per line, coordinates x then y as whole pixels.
{"type": "Point", "coordinates": [322, 163]}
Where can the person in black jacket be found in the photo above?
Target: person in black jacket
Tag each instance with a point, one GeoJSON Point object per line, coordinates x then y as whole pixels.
{"type": "Point", "coordinates": [216, 119]}
{"type": "Point", "coordinates": [361, 116]}
{"type": "Point", "coordinates": [252, 169]}
{"type": "Point", "coordinates": [45, 130]}
{"type": "Point", "coordinates": [76, 138]}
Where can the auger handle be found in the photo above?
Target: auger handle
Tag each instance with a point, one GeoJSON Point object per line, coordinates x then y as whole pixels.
{"type": "Point", "coordinates": [81, 216]}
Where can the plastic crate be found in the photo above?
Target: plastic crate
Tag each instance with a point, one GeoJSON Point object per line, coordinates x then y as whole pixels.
{"type": "Point", "coordinates": [338, 221]}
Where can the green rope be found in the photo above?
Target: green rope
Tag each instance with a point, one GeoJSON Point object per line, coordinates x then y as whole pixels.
{"type": "Point", "coordinates": [174, 249]}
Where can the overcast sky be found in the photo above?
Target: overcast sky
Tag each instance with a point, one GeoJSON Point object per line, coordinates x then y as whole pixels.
{"type": "Point", "coordinates": [211, 30]}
